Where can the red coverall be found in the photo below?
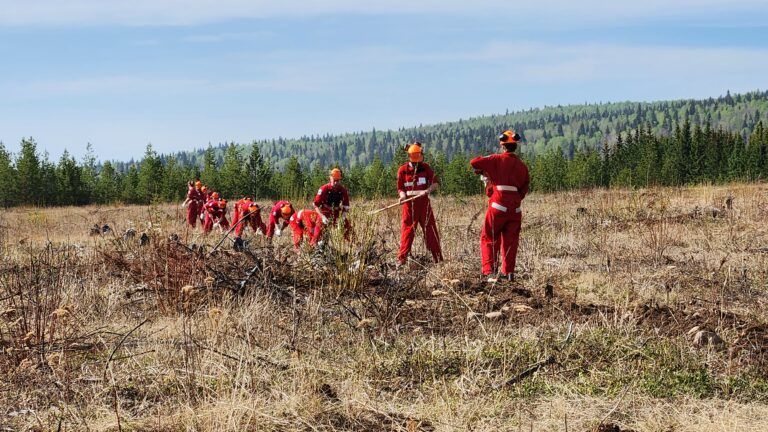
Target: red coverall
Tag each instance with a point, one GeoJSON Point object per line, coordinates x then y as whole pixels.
{"type": "Point", "coordinates": [508, 176]}
{"type": "Point", "coordinates": [412, 178]}
{"type": "Point", "coordinates": [206, 196]}
{"type": "Point", "coordinates": [214, 213]}
{"type": "Point", "coordinates": [331, 201]}
{"type": "Point", "coordinates": [194, 206]}
{"type": "Point", "coordinates": [253, 219]}
{"type": "Point", "coordinates": [238, 205]}
{"type": "Point", "coordinates": [275, 217]}
{"type": "Point", "coordinates": [303, 223]}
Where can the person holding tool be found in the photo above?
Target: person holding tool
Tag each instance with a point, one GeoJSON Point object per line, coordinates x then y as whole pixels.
{"type": "Point", "coordinates": [415, 181]}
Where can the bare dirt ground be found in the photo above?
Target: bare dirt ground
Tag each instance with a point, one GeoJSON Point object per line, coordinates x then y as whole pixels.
{"type": "Point", "coordinates": [634, 310]}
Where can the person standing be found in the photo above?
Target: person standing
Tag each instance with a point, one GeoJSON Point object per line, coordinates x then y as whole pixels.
{"type": "Point", "coordinates": [415, 178]}
{"type": "Point", "coordinates": [332, 203]}
{"type": "Point", "coordinates": [194, 202]}
{"type": "Point", "coordinates": [507, 184]}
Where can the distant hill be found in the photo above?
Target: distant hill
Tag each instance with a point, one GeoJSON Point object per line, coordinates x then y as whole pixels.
{"type": "Point", "coordinates": [569, 128]}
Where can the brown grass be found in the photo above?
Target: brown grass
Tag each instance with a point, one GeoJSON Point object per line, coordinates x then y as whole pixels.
{"type": "Point", "coordinates": [100, 333]}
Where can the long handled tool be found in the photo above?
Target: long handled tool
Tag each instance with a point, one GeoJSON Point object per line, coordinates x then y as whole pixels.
{"type": "Point", "coordinates": [394, 205]}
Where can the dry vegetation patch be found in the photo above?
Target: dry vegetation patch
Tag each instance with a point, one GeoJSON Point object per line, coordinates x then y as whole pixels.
{"type": "Point", "coordinates": [633, 310]}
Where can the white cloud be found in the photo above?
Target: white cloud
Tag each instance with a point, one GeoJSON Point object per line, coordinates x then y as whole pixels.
{"type": "Point", "coordinates": [187, 12]}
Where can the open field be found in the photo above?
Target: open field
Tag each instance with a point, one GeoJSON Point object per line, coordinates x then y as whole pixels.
{"type": "Point", "coordinates": [634, 310]}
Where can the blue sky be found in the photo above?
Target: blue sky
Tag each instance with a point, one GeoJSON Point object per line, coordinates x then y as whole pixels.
{"type": "Point", "coordinates": [180, 74]}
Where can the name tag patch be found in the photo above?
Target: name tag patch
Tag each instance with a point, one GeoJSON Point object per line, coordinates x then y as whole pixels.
{"type": "Point", "coordinates": [422, 181]}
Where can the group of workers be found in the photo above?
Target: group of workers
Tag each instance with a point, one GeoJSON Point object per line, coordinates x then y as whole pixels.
{"type": "Point", "coordinates": [504, 175]}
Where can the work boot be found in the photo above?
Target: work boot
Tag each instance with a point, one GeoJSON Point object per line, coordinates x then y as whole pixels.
{"type": "Point", "coordinates": [238, 245]}
{"type": "Point", "coordinates": [510, 277]}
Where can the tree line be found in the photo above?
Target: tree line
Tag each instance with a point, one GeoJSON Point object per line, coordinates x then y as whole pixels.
{"type": "Point", "coordinates": [570, 129]}
{"type": "Point", "coordinates": [639, 158]}
{"type": "Point", "coordinates": [692, 153]}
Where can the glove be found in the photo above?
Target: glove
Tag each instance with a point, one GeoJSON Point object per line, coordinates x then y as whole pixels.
{"type": "Point", "coordinates": [183, 205]}
{"type": "Point", "coordinates": [278, 232]}
{"type": "Point", "coordinates": [484, 179]}
{"type": "Point", "coordinates": [325, 220]}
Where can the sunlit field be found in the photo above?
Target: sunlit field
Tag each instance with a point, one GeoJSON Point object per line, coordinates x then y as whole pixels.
{"type": "Point", "coordinates": [633, 310]}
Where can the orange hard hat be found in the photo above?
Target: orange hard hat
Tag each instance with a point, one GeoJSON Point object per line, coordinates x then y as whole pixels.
{"type": "Point", "coordinates": [215, 195]}
{"type": "Point", "coordinates": [509, 137]}
{"type": "Point", "coordinates": [286, 210]}
{"type": "Point", "coordinates": [336, 174]}
{"type": "Point", "coordinates": [198, 184]}
{"type": "Point", "coordinates": [414, 152]}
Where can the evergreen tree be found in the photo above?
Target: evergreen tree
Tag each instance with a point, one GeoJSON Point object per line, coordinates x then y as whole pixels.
{"type": "Point", "coordinates": [150, 176]}
{"type": "Point", "coordinates": [175, 180]}
{"type": "Point", "coordinates": [376, 180]}
{"type": "Point", "coordinates": [210, 175]}
{"type": "Point", "coordinates": [231, 176]}
{"type": "Point", "coordinates": [71, 188]}
{"type": "Point", "coordinates": [131, 194]}
{"type": "Point", "coordinates": [258, 174]}
{"type": "Point", "coordinates": [292, 181]}
{"type": "Point", "coordinates": [29, 178]}
{"type": "Point", "coordinates": [8, 190]}
{"type": "Point", "coordinates": [107, 187]}
{"type": "Point", "coordinates": [88, 173]}
{"type": "Point", "coordinates": [318, 176]}
{"type": "Point", "coordinates": [459, 179]}
{"type": "Point", "coordinates": [50, 182]}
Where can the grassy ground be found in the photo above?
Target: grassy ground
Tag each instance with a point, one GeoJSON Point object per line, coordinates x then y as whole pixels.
{"type": "Point", "coordinates": [634, 310]}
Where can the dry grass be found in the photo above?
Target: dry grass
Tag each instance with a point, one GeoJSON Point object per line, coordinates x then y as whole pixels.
{"type": "Point", "coordinates": [100, 333]}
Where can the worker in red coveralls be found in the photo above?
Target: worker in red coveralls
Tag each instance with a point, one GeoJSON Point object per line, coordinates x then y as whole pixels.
{"type": "Point", "coordinates": [215, 213]}
{"type": "Point", "coordinates": [302, 223]}
{"type": "Point", "coordinates": [415, 178]}
{"type": "Point", "coordinates": [206, 194]}
{"type": "Point", "coordinates": [279, 218]}
{"type": "Point", "coordinates": [507, 181]}
{"type": "Point", "coordinates": [194, 202]}
{"type": "Point", "coordinates": [251, 212]}
{"type": "Point", "coordinates": [240, 204]}
{"type": "Point", "coordinates": [332, 202]}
